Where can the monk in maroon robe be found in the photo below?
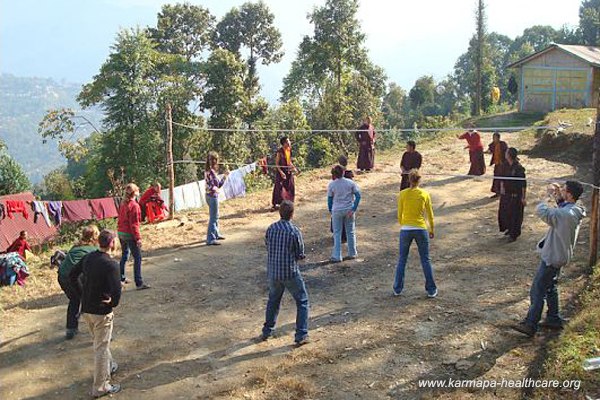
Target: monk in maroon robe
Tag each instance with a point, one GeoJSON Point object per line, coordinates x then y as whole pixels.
{"type": "Point", "coordinates": [411, 159]}
{"type": "Point", "coordinates": [475, 151]}
{"type": "Point", "coordinates": [512, 197]}
{"type": "Point", "coordinates": [284, 188]}
{"type": "Point", "coordinates": [365, 135]}
{"type": "Point", "coordinates": [498, 150]}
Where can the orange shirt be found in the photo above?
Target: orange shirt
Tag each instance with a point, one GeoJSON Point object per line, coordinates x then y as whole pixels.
{"type": "Point", "coordinates": [497, 154]}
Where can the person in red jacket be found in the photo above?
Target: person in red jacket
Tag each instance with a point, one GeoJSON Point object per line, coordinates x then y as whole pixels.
{"type": "Point", "coordinates": [130, 217]}
{"type": "Point", "coordinates": [20, 245]}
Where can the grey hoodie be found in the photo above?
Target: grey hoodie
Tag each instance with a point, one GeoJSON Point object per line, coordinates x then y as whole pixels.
{"type": "Point", "coordinates": [556, 248]}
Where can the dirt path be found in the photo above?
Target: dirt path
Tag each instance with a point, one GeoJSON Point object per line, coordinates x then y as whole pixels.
{"type": "Point", "coordinates": [192, 335]}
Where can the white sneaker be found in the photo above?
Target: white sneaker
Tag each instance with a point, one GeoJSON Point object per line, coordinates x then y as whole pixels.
{"type": "Point", "coordinates": [432, 295]}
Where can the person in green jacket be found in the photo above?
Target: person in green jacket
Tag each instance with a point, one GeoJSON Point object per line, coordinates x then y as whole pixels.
{"type": "Point", "coordinates": [87, 244]}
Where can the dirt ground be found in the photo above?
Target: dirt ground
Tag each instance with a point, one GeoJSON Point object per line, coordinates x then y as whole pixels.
{"type": "Point", "coordinates": [192, 336]}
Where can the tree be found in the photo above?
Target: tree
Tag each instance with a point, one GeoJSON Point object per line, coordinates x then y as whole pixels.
{"type": "Point", "coordinates": [589, 22]}
{"type": "Point", "coordinates": [183, 29]}
{"type": "Point", "coordinates": [538, 36]}
{"type": "Point", "coordinates": [125, 88]}
{"type": "Point", "coordinates": [479, 55]}
{"type": "Point", "coordinates": [183, 34]}
{"type": "Point", "coordinates": [423, 92]}
{"type": "Point", "coordinates": [332, 74]}
{"type": "Point", "coordinates": [250, 27]}
{"type": "Point", "coordinates": [393, 107]}
{"type": "Point", "coordinates": [12, 177]}
{"type": "Point", "coordinates": [224, 98]}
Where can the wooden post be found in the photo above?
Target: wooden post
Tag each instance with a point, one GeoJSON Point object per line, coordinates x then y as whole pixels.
{"type": "Point", "coordinates": [594, 222]}
{"type": "Point", "coordinates": [170, 166]}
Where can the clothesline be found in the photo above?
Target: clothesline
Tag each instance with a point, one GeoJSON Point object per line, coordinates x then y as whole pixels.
{"type": "Point", "coordinates": [508, 178]}
{"type": "Point", "coordinates": [505, 129]}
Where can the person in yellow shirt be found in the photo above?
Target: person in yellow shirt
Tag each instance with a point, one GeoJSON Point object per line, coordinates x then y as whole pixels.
{"type": "Point", "coordinates": [414, 204]}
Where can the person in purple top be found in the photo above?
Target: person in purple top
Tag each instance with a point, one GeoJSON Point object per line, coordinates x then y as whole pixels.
{"type": "Point", "coordinates": [213, 186]}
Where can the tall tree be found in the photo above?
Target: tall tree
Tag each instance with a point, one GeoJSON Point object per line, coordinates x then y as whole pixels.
{"type": "Point", "coordinates": [125, 89]}
{"type": "Point", "coordinates": [330, 64]}
{"type": "Point", "coordinates": [12, 178]}
{"type": "Point", "coordinates": [479, 54]}
{"type": "Point", "coordinates": [589, 22]}
{"type": "Point", "coordinates": [224, 99]}
{"type": "Point", "coordinates": [184, 32]}
{"type": "Point", "coordinates": [393, 107]}
{"type": "Point", "coordinates": [251, 28]}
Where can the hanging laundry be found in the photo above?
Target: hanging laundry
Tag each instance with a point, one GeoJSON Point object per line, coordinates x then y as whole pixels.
{"type": "Point", "coordinates": [202, 186]}
{"type": "Point", "coordinates": [191, 195]}
{"type": "Point", "coordinates": [104, 208]}
{"type": "Point", "coordinates": [16, 206]}
{"type": "Point", "coordinates": [179, 199]}
{"type": "Point", "coordinates": [2, 212]}
{"type": "Point", "coordinates": [249, 168]}
{"type": "Point", "coordinates": [77, 210]}
{"type": "Point", "coordinates": [39, 208]}
{"type": "Point", "coordinates": [165, 196]}
{"type": "Point", "coordinates": [55, 211]}
{"type": "Point", "coordinates": [234, 185]}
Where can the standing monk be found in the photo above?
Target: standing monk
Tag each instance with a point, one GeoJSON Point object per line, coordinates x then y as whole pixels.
{"type": "Point", "coordinates": [284, 188]}
{"type": "Point", "coordinates": [475, 151]}
{"type": "Point", "coordinates": [365, 135]}
{"type": "Point", "coordinates": [411, 159]}
{"type": "Point", "coordinates": [512, 197]}
{"type": "Point", "coordinates": [497, 149]}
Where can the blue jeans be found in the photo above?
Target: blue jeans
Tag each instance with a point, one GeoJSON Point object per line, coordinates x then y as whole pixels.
{"type": "Point", "coordinates": [213, 219]}
{"type": "Point", "coordinates": [298, 290]}
{"type": "Point", "coordinates": [421, 236]}
{"type": "Point", "coordinates": [128, 246]}
{"type": "Point", "coordinates": [340, 219]}
{"type": "Point", "coordinates": [543, 288]}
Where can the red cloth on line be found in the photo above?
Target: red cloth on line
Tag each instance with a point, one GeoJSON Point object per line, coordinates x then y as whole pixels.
{"type": "Point", "coordinates": [77, 210]}
{"type": "Point", "coordinates": [473, 139]}
{"type": "Point", "coordinates": [16, 206]}
{"type": "Point", "coordinates": [130, 217]}
{"type": "Point", "coordinates": [19, 246]}
{"type": "Point", "coordinates": [104, 208]}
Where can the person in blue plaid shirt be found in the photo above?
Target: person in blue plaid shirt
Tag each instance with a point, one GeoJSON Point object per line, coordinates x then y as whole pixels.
{"type": "Point", "coordinates": [285, 247]}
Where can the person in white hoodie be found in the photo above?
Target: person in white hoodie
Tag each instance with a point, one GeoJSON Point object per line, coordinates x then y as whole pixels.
{"type": "Point", "coordinates": [556, 251]}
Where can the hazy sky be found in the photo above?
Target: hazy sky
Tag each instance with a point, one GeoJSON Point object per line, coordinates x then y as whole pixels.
{"type": "Point", "coordinates": [69, 39]}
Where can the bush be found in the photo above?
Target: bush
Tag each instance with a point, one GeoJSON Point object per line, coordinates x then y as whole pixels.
{"type": "Point", "coordinates": [70, 232]}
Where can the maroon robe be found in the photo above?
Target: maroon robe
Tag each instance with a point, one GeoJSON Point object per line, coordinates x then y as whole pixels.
{"type": "Point", "coordinates": [409, 161]}
{"type": "Point", "coordinates": [498, 167]}
{"type": "Point", "coordinates": [284, 189]}
{"type": "Point", "coordinates": [510, 210]}
{"type": "Point", "coordinates": [365, 135]}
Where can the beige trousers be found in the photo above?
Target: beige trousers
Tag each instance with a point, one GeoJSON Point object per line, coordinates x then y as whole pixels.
{"type": "Point", "coordinates": [101, 327]}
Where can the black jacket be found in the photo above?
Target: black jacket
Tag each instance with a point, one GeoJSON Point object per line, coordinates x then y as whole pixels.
{"type": "Point", "coordinates": [100, 280]}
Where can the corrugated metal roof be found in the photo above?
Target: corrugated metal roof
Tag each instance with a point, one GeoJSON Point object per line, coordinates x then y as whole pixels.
{"type": "Point", "coordinates": [38, 232]}
{"type": "Point", "coordinates": [590, 54]}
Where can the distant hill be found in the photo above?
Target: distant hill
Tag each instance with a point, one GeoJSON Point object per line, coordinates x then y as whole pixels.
{"type": "Point", "coordinates": [23, 103]}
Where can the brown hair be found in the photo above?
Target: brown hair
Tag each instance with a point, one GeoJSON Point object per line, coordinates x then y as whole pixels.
{"type": "Point", "coordinates": [286, 210]}
{"type": "Point", "coordinates": [130, 190]}
{"type": "Point", "coordinates": [337, 172]}
{"type": "Point", "coordinates": [89, 236]}
{"type": "Point", "coordinates": [212, 156]}
{"type": "Point", "coordinates": [105, 238]}
{"type": "Point", "coordinates": [414, 177]}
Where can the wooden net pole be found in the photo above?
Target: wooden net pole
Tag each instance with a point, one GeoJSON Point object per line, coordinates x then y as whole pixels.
{"type": "Point", "coordinates": [594, 222]}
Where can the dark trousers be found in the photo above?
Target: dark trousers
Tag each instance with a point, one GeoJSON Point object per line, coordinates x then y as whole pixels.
{"type": "Point", "coordinates": [510, 214]}
{"type": "Point", "coordinates": [74, 302]}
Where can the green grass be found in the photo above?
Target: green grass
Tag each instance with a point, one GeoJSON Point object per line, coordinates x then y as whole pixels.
{"type": "Point", "coordinates": [579, 340]}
